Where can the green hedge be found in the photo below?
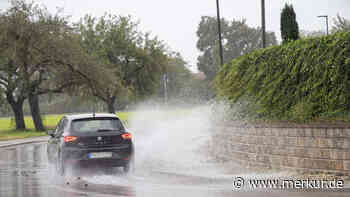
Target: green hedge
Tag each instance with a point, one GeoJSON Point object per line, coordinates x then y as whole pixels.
{"type": "Point", "coordinates": [299, 80]}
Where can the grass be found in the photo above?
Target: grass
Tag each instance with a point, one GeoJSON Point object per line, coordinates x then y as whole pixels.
{"type": "Point", "coordinates": [13, 134]}
{"type": "Point", "coordinates": [8, 132]}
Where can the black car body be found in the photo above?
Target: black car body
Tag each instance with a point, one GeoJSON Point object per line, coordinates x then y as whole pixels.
{"type": "Point", "coordinates": [87, 140]}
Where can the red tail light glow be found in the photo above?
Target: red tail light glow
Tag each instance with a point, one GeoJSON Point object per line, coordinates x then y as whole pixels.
{"type": "Point", "coordinates": [126, 136]}
{"type": "Point", "coordinates": [70, 138]}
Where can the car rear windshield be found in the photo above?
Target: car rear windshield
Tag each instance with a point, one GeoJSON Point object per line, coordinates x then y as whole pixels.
{"type": "Point", "coordinates": [97, 124]}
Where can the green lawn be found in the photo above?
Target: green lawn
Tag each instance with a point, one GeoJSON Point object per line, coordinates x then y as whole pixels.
{"type": "Point", "coordinates": [8, 132]}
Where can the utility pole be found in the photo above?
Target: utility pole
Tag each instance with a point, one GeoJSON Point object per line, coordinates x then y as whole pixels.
{"type": "Point", "coordinates": [219, 31]}
{"type": "Point", "coordinates": [263, 25]}
{"type": "Point", "coordinates": [326, 17]}
{"type": "Point", "coordinates": [165, 86]}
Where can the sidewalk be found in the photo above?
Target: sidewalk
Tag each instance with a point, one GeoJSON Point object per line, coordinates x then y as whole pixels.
{"type": "Point", "coordinates": [23, 141]}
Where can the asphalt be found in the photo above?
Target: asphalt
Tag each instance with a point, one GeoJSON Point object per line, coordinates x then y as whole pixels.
{"type": "Point", "coordinates": [24, 172]}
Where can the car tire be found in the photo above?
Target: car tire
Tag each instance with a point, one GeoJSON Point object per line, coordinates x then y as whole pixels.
{"type": "Point", "coordinates": [129, 167]}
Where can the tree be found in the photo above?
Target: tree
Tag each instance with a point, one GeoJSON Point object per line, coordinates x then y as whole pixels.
{"type": "Point", "coordinates": [14, 72]}
{"type": "Point", "coordinates": [238, 39]}
{"type": "Point", "coordinates": [35, 47]}
{"type": "Point", "coordinates": [151, 62]}
{"type": "Point", "coordinates": [178, 77]}
{"type": "Point", "coordinates": [289, 24]}
{"type": "Point", "coordinates": [341, 24]}
{"type": "Point", "coordinates": [2, 102]}
{"type": "Point", "coordinates": [129, 62]}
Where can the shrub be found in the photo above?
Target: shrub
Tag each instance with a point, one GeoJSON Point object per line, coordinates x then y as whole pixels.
{"type": "Point", "coordinates": [281, 81]}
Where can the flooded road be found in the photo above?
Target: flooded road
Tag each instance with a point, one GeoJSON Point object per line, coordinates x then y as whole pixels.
{"type": "Point", "coordinates": [24, 172]}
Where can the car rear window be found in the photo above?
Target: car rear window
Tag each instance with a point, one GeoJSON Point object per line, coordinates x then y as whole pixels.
{"type": "Point", "coordinates": [97, 124]}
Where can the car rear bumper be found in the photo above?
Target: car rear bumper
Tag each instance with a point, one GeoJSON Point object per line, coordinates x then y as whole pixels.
{"type": "Point", "coordinates": [120, 156]}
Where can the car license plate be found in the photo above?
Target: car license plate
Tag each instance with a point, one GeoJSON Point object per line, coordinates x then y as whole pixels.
{"type": "Point", "coordinates": [100, 155]}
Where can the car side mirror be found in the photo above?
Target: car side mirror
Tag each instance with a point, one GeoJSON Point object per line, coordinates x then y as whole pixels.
{"type": "Point", "coordinates": [51, 133]}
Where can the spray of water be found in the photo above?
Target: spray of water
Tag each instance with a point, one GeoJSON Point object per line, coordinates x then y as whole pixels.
{"type": "Point", "coordinates": [172, 141]}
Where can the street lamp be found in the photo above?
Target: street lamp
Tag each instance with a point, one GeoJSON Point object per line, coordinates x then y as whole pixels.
{"type": "Point", "coordinates": [219, 32]}
{"type": "Point", "coordinates": [263, 26]}
{"type": "Point", "coordinates": [165, 85]}
{"type": "Point", "coordinates": [326, 17]}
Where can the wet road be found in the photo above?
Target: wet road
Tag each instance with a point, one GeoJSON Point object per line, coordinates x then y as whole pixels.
{"type": "Point", "coordinates": [24, 172]}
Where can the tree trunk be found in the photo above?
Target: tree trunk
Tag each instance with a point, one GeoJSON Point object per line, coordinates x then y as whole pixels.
{"type": "Point", "coordinates": [110, 105]}
{"type": "Point", "coordinates": [17, 108]}
{"type": "Point", "coordinates": [35, 111]}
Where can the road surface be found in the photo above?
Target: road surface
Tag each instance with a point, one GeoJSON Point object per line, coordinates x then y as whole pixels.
{"type": "Point", "coordinates": [24, 172]}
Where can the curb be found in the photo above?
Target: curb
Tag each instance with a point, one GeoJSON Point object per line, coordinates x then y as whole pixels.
{"type": "Point", "coordinates": [10, 143]}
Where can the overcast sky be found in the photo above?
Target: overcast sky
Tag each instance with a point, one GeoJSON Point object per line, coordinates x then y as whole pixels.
{"type": "Point", "coordinates": [176, 21]}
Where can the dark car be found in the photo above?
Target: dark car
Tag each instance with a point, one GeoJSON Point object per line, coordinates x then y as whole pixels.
{"type": "Point", "coordinates": [90, 140]}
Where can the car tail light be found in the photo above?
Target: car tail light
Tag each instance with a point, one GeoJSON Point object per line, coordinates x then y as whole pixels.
{"type": "Point", "coordinates": [70, 138]}
{"type": "Point", "coordinates": [126, 136]}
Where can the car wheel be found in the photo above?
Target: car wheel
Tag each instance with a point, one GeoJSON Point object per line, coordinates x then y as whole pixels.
{"type": "Point", "coordinates": [129, 167]}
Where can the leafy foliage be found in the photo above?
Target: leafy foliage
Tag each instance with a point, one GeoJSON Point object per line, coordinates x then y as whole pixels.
{"type": "Point", "coordinates": [42, 54]}
{"type": "Point", "coordinates": [299, 80]}
{"type": "Point", "coordinates": [177, 75]}
{"type": "Point", "coordinates": [33, 45]}
{"type": "Point", "coordinates": [129, 63]}
{"type": "Point", "coordinates": [183, 87]}
{"type": "Point", "coordinates": [238, 39]}
{"type": "Point", "coordinates": [341, 24]}
{"type": "Point", "coordinates": [289, 24]}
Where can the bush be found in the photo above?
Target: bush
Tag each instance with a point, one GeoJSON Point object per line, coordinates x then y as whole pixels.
{"type": "Point", "coordinates": [298, 80]}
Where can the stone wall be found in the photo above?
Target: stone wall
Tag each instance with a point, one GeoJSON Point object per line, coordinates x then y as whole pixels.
{"type": "Point", "coordinates": [321, 149]}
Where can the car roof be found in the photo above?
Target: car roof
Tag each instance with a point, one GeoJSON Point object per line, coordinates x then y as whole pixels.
{"type": "Point", "coordinates": [90, 115]}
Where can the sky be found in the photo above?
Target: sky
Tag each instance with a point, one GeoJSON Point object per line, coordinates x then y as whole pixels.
{"type": "Point", "coordinates": [176, 21]}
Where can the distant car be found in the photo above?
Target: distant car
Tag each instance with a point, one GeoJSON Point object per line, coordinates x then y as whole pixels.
{"type": "Point", "coordinates": [87, 140]}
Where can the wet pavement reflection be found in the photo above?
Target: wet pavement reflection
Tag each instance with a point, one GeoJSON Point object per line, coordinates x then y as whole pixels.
{"type": "Point", "coordinates": [21, 169]}
{"type": "Point", "coordinates": [24, 172]}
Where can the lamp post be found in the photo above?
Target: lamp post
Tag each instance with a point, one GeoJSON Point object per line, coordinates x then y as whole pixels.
{"type": "Point", "coordinates": [263, 26]}
{"type": "Point", "coordinates": [219, 32]}
{"type": "Point", "coordinates": [326, 17]}
{"type": "Point", "coordinates": [165, 83]}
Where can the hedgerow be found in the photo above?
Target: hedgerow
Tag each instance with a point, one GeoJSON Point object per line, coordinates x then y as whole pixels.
{"type": "Point", "coordinates": [303, 79]}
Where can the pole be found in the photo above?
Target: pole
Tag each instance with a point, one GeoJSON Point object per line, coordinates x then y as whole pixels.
{"type": "Point", "coordinates": [327, 24]}
{"type": "Point", "coordinates": [326, 17]}
{"type": "Point", "coordinates": [219, 31]}
{"type": "Point", "coordinates": [263, 25]}
{"type": "Point", "coordinates": [165, 82]}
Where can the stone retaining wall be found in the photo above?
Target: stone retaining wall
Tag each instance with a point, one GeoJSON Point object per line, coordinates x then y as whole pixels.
{"type": "Point", "coordinates": [325, 149]}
